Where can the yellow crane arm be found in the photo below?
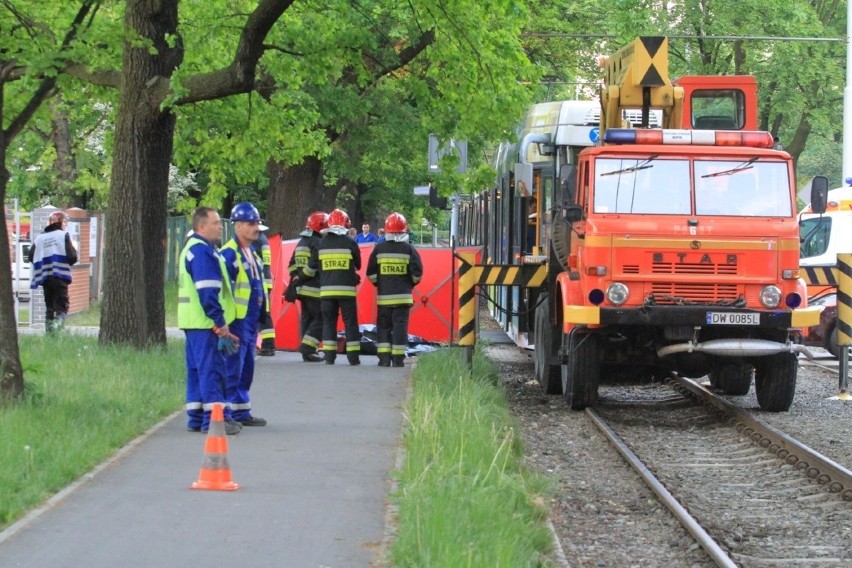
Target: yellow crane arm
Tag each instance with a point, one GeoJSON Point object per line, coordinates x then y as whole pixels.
{"type": "Point", "coordinates": [637, 76]}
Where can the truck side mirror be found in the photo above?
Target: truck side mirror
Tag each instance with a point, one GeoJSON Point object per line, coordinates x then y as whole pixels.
{"type": "Point", "coordinates": [819, 194]}
{"type": "Point", "coordinates": [573, 213]}
{"type": "Point", "coordinates": [567, 182]}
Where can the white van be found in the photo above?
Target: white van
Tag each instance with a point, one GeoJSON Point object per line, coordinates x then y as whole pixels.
{"type": "Point", "coordinates": [823, 236]}
{"type": "Point", "coordinates": [21, 271]}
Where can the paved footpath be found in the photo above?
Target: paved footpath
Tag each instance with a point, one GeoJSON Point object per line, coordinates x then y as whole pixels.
{"type": "Point", "coordinates": [313, 483]}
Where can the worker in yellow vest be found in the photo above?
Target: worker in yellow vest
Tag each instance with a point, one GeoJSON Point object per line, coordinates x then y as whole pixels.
{"type": "Point", "coordinates": [205, 310]}
{"type": "Point", "coordinates": [245, 270]}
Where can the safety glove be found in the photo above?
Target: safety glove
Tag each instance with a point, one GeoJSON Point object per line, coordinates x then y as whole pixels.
{"type": "Point", "coordinates": [227, 345]}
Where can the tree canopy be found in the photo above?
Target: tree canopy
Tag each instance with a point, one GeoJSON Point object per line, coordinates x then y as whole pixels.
{"type": "Point", "coordinates": [152, 108]}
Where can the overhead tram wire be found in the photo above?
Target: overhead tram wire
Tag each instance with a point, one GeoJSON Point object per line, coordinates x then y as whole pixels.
{"type": "Point", "coordinates": [692, 36]}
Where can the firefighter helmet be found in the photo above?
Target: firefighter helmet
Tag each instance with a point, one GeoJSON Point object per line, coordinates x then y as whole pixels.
{"type": "Point", "coordinates": [245, 211]}
{"type": "Point", "coordinates": [57, 217]}
{"type": "Point", "coordinates": [339, 218]}
{"type": "Point", "coordinates": [396, 223]}
{"type": "Point", "coordinates": [317, 221]}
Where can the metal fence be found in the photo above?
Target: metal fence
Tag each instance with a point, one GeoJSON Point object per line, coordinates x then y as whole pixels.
{"type": "Point", "coordinates": [176, 231]}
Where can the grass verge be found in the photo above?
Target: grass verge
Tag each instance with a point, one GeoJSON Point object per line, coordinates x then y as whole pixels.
{"type": "Point", "coordinates": [92, 315]}
{"type": "Point", "coordinates": [82, 402]}
{"type": "Point", "coordinates": [465, 498]}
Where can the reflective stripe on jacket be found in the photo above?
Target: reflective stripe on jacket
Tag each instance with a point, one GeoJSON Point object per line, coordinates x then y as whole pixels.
{"type": "Point", "coordinates": [394, 268]}
{"type": "Point", "coordinates": [208, 276]}
{"type": "Point", "coordinates": [337, 260]}
{"type": "Point", "coordinates": [50, 258]}
{"type": "Point", "coordinates": [242, 283]}
{"type": "Point", "coordinates": [308, 286]}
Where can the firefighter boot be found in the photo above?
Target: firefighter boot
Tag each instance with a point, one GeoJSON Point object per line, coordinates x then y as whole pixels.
{"type": "Point", "coordinates": [309, 355]}
{"type": "Point", "coordinates": [397, 360]}
{"type": "Point", "coordinates": [354, 360]}
{"type": "Point", "coordinates": [384, 360]}
{"type": "Point", "coordinates": [267, 348]}
{"type": "Point", "coordinates": [330, 357]}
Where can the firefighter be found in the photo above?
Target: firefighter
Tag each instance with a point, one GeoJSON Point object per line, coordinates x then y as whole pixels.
{"type": "Point", "coordinates": [394, 268]}
{"type": "Point", "coordinates": [245, 270]}
{"type": "Point", "coordinates": [267, 327]}
{"type": "Point", "coordinates": [337, 260]}
{"type": "Point", "coordinates": [308, 289]}
{"type": "Point", "coordinates": [205, 310]}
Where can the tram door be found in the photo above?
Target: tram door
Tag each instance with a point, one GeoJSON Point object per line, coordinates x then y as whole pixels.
{"type": "Point", "coordinates": [507, 245]}
{"type": "Point", "coordinates": [500, 242]}
{"type": "Point", "coordinates": [531, 241]}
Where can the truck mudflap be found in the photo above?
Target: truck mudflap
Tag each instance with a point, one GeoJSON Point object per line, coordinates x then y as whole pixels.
{"type": "Point", "coordinates": [736, 348]}
{"type": "Point", "coordinates": [714, 316]}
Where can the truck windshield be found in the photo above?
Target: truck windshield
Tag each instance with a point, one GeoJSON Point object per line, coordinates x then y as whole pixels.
{"type": "Point", "coordinates": [745, 188]}
{"type": "Point", "coordinates": [644, 185]}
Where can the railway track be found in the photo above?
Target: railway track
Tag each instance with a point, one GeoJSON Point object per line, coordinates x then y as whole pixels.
{"type": "Point", "coordinates": [749, 494]}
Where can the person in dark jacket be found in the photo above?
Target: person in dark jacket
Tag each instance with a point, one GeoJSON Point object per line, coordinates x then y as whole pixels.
{"type": "Point", "coordinates": [337, 261]}
{"type": "Point", "coordinates": [394, 268]}
{"type": "Point", "coordinates": [308, 289]}
{"type": "Point", "coordinates": [267, 326]}
{"type": "Point", "coordinates": [52, 255]}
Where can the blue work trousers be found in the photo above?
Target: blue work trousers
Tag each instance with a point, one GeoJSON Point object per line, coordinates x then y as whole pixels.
{"type": "Point", "coordinates": [205, 377]}
{"type": "Point", "coordinates": [241, 368]}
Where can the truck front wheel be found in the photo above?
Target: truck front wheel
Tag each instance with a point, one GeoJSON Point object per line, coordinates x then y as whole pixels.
{"type": "Point", "coordinates": [732, 378]}
{"type": "Point", "coordinates": [581, 369]}
{"type": "Point", "coordinates": [775, 381]}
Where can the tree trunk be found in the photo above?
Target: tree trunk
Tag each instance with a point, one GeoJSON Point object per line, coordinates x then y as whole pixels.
{"type": "Point", "coordinates": [134, 304]}
{"type": "Point", "coordinates": [65, 163]}
{"type": "Point", "coordinates": [800, 139]}
{"type": "Point", "coordinates": [294, 193]}
{"type": "Point", "coordinates": [11, 374]}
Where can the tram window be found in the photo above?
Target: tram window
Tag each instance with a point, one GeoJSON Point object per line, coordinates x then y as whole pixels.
{"type": "Point", "coordinates": [544, 221]}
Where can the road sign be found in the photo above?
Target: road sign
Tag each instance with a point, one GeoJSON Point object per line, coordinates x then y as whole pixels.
{"type": "Point", "coordinates": [437, 152]}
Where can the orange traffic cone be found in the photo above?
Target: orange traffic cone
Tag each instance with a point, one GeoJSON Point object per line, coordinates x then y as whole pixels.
{"type": "Point", "coordinates": [215, 471]}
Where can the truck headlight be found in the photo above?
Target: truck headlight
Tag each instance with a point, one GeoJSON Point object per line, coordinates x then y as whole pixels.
{"type": "Point", "coordinates": [770, 296]}
{"type": "Point", "coordinates": [617, 293]}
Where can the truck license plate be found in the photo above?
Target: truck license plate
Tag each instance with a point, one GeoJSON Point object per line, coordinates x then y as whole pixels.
{"type": "Point", "coordinates": [728, 318]}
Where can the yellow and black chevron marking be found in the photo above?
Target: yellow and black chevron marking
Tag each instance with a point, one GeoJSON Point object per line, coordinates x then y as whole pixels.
{"type": "Point", "coordinates": [525, 275]}
{"type": "Point", "coordinates": [467, 299]}
{"type": "Point", "coordinates": [471, 275]}
{"type": "Point", "coordinates": [844, 299]}
{"type": "Point", "coordinates": [820, 275]}
{"type": "Point", "coordinates": [645, 60]}
{"type": "Point", "coordinates": [652, 61]}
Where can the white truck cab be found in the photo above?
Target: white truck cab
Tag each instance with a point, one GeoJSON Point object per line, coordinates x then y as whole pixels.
{"type": "Point", "coordinates": [823, 236]}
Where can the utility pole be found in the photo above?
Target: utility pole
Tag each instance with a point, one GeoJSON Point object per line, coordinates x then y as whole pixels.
{"type": "Point", "coordinates": [847, 100]}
